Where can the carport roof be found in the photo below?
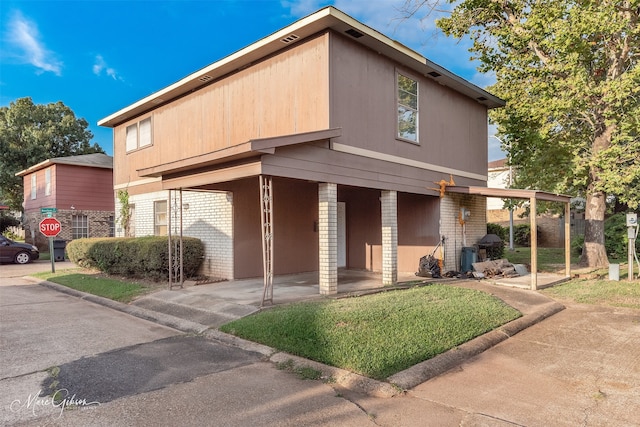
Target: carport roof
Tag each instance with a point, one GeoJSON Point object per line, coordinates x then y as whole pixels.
{"type": "Point", "coordinates": [509, 193]}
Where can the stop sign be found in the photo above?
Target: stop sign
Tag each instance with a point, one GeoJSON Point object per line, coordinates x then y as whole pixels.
{"type": "Point", "coordinates": [50, 227]}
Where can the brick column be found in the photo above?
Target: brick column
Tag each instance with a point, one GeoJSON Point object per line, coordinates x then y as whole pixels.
{"type": "Point", "coordinates": [328, 237]}
{"type": "Point", "coordinates": [389, 207]}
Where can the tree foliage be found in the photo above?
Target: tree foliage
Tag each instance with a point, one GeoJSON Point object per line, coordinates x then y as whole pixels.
{"type": "Point", "coordinates": [568, 70]}
{"type": "Point", "coordinates": [30, 134]}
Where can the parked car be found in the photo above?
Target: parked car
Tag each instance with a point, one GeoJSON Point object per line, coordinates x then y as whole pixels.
{"type": "Point", "coordinates": [20, 253]}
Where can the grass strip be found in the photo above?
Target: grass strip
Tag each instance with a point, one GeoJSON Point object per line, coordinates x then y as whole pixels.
{"type": "Point", "coordinates": [598, 292]}
{"type": "Point", "coordinates": [105, 287]}
{"type": "Point", "coordinates": [377, 335]}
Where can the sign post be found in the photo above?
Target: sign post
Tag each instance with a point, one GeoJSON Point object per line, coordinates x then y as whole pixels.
{"type": "Point", "coordinates": [50, 227]}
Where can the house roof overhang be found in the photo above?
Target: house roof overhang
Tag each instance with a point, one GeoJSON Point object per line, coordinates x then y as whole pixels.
{"type": "Point", "coordinates": [246, 150]}
{"type": "Point", "coordinates": [510, 193]}
{"type": "Point", "coordinates": [328, 18]}
{"type": "Point", "coordinates": [95, 160]}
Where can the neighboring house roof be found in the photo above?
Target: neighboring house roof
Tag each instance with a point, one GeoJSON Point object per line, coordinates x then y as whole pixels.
{"type": "Point", "coordinates": [96, 160]}
{"type": "Point", "coordinates": [328, 18]}
{"type": "Point", "coordinates": [497, 164]}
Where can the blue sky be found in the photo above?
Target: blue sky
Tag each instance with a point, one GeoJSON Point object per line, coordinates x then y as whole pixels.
{"type": "Point", "coordinates": [100, 56]}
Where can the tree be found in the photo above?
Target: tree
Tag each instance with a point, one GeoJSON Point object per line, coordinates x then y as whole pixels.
{"type": "Point", "coordinates": [568, 70]}
{"type": "Point", "coordinates": [30, 134]}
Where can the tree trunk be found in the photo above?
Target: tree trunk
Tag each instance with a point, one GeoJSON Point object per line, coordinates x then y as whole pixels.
{"type": "Point", "coordinates": [594, 253]}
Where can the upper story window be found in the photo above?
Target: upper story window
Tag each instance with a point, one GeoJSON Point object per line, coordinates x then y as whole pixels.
{"type": "Point", "coordinates": [47, 182]}
{"type": "Point", "coordinates": [34, 186]}
{"type": "Point", "coordinates": [407, 95]}
{"type": "Point", "coordinates": [139, 135]}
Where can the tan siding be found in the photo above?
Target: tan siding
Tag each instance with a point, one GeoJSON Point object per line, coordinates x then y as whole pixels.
{"type": "Point", "coordinates": [452, 128]}
{"type": "Point", "coordinates": [285, 94]}
{"type": "Point", "coordinates": [313, 162]}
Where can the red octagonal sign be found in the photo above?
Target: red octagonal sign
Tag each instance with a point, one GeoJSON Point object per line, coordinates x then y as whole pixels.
{"type": "Point", "coordinates": [50, 227]}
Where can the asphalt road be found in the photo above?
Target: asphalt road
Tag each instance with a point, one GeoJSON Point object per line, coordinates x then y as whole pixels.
{"type": "Point", "coordinates": [114, 369]}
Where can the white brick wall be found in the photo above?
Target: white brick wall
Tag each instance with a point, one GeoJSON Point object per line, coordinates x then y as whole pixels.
{"type": "Point", "coordinates": [389, 210]}
{"type": "Point", "coordinates": [451, 229]}
{"type": "Point", "coordinates": [207, 216]}
{"type": "Point", "coordinates": [328, 237]}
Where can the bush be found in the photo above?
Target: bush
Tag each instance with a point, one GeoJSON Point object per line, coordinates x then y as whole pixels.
{"type": "Point", "coordinates": [522, 234]}
{"type": "Point", "coordinates": [142, 257]}
{"type": "Point", "coordinates": [616, 240]}
{"type": "Point", "coordinates": [498, 230]}
{"type": "Point", "coordinates": [7, 221]}
{"type": "Point", "coordinates": [577, 244]}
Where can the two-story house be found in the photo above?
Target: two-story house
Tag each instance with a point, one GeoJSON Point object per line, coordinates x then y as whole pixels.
{"type": "Point", "coordinates": [313, 149]}
{"type": "Point", "coordinates": [79, 188]}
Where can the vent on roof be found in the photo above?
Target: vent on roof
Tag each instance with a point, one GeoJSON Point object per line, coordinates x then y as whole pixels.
{"type": "Point", "coordinates": [205, 78]}
{"type": "Point", "coordinates": [157, 101]}
{"type": "Point", "coordinates": [290, 38]}
{"type": "Point", "coordinates": [481, 98]}
{"type": "Point", "coordinates": [354, 33]}
{"type": "Point", "coordinates": [434, 74]}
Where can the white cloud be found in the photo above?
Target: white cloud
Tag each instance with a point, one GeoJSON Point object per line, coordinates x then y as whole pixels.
{"type": "Point", "coordinates": [25, 44]}
{"type": "Point", "coordinates": [100, 65]}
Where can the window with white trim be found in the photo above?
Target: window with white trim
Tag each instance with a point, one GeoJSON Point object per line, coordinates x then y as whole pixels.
{"type": "Point", "coordinates": [407, 100]}
{"type": "Point", "coordinates": [139, 135]}
{"type": "Point", "coordinates": [160, 218]}
{"type": "Point", "coordinates": [47, 182]}
{"type": "Point", "coordinates": [79, 226]}
{"type": "Point", "coordinates": [34, 187]}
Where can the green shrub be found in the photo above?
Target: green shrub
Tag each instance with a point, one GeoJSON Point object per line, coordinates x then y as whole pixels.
{"type": "Point", "coordinates": [498, 230]}
{"type": "Point", "coordinates": [522, 234]}
{"type": "Point", "coordinates": [145, 257]}
{"type": "Point", "coordinates": [616, 239]}
{"type": "Point", "coordinates": [577, 244]}
{"type": "Point", "coordinates": [7, 221]}
{"type": "Point", "coordinates": [77, 251]}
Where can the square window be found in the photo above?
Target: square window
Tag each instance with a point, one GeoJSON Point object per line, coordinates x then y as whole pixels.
{"type": "Point", "coordinates": [139, 135]}
{"type": "Point", "coordinates": [79, 226]}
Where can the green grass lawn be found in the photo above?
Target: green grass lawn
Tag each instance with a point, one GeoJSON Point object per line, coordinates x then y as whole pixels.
{"type": "Point", "coordinates": [598, 292]}
{"type": "Point", "coordinates": [114, 289]}
{"type": "Point", "coordinates": [377, 335]}
{"type": "Point", "coordinates": [549, 259]}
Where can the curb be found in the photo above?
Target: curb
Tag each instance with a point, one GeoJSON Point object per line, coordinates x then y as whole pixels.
{"type": "Point", "coordinates": [161, 318]}
{"type": "Point", "coordinates": [395, 385]}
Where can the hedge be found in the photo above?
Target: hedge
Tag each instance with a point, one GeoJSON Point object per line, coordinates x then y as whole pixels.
{"type": "Point", "coordinates": [139, 257]}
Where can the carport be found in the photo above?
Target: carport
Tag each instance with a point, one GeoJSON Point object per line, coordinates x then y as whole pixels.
{"type": "Point", "coordinates": [533, 196]}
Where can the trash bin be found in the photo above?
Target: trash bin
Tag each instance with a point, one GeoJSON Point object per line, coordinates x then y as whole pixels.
{"type": "Point", "coordinates": [469, 256]}
{"type": "Point", "coordinates": [58, 249]}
